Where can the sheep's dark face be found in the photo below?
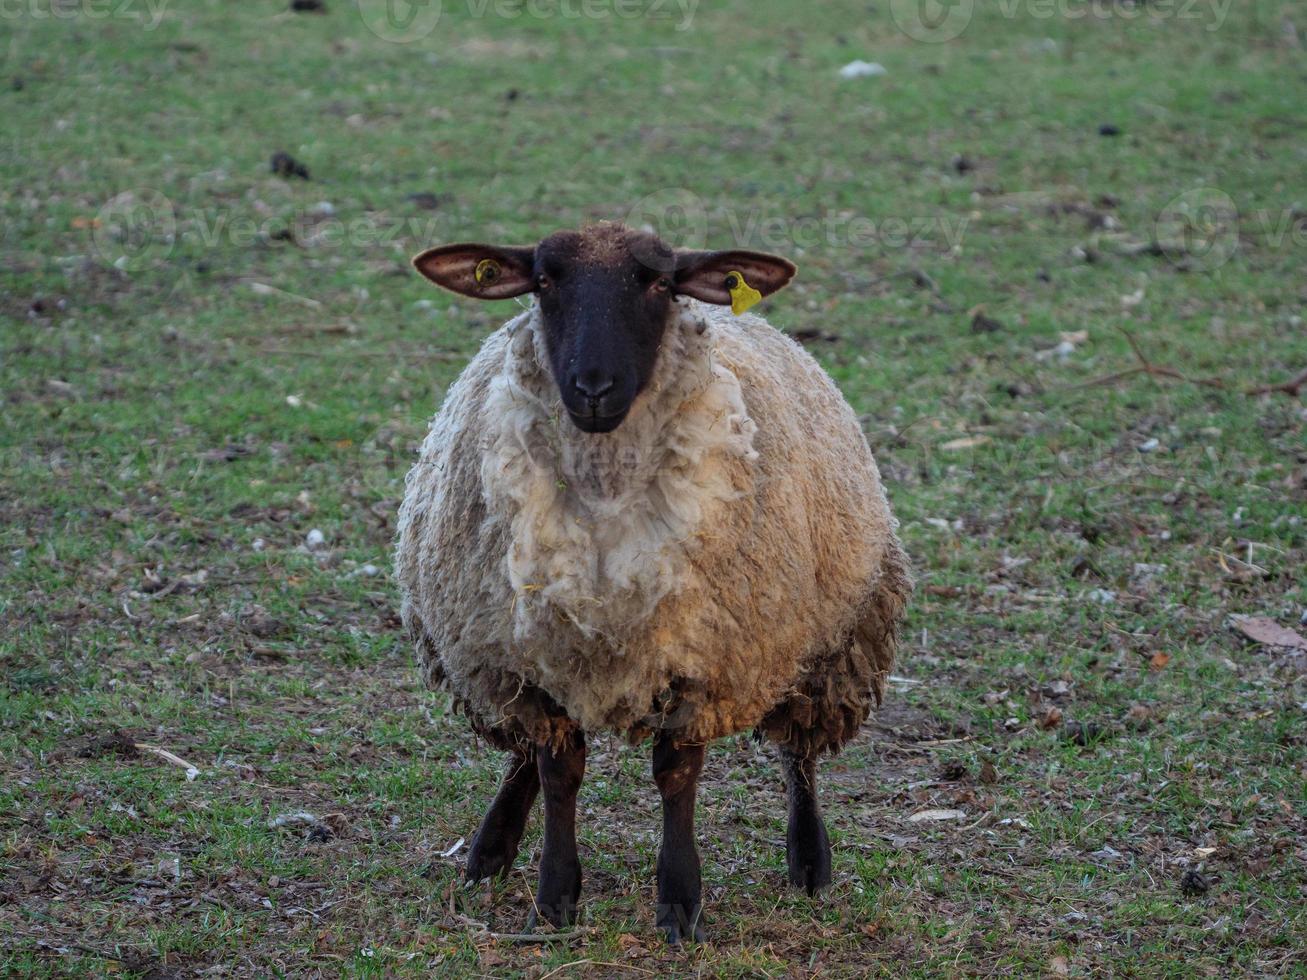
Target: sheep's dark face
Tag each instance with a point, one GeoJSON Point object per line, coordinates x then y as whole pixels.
{"type": "Point", "coordinates": [604, 313]}
{"type": "Point", "coordinates": [605, 296]}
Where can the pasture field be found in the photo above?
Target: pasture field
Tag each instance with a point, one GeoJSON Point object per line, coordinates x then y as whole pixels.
{"type": "Point", "coordinates": [1047, 260]}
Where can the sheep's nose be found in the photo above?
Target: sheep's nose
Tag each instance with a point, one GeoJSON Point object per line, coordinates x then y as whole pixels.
{"type": "Point", "coordinates": [593, 389]}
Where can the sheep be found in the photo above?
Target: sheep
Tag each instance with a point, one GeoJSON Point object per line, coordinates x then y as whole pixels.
{"type": "Point", "coordinates": [639, 513]}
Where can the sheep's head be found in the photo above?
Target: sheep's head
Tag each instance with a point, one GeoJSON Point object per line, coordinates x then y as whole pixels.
{"type": "Point", "coordinates": [605, 295]}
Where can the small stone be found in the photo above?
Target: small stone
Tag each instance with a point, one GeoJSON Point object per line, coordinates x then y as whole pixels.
{"type": "Point", "coordinates": [863, 69]}
{"type": "Point", "coordinates": [315, 540]}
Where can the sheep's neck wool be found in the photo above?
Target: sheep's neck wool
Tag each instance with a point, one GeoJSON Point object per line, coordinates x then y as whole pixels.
{"type": "Point", "coordinates": [602, 525]}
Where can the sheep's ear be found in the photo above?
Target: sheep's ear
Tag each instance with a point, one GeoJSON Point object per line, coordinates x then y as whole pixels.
{"type": "Point", "coordinates": [737, 278]}
{"type": "Point", "coordinates": [479, 271]}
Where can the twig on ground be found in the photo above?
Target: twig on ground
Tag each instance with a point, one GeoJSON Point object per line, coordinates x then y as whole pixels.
{"type": "Point", "coordinates": [191, 770]}
{"type": "Point", "coordinates": [1293, 387]}
{"type": "Point", "coordinates": [1149, 368]}
{"type": "Point", "coordinates": [537, 937]}
{"type": "Point", "coordinates": [588, 962]}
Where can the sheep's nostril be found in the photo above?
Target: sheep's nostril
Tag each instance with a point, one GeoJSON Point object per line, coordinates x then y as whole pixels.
{"type": "Point", "coordinates": [594, 390]}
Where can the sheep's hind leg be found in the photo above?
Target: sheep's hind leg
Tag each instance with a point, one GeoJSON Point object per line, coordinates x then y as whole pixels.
{"type": "Point", "coordinates": [495, 845]}
{"type": "Point", "coordinates": [561, 771]}
{"type": "Point", "coordinates": [807, 845]}
{"type": "Point", "coordinates": [680, 893]}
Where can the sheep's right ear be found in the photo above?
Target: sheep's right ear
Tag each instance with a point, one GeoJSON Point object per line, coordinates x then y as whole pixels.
{"type": "Point", "coordinates": [736, 278]}
{"type": "Point", "coordinates": [479, 271]}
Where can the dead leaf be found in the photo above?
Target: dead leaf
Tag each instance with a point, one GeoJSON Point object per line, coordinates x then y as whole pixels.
{"type": "Point", "coordinates": [933, 816]}
{"type": "Point", "coordinates": [943, 591]}
{"type": "Point", "coordinates": [967, 442]}
{"type": "Point", "coordinates": [1264, 630]}
{"type": "Point", "coordinates": [1159, 660]}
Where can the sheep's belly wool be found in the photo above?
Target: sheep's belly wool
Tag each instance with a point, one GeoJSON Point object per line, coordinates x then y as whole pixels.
{"type": "Point", "coordinates": [725, 560]}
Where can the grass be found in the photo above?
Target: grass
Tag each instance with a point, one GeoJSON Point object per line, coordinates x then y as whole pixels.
{"type": "Point", "coordinates": [177, 423]}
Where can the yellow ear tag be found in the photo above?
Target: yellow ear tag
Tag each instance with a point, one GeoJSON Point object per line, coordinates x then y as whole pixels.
{"type": "Point", "coordinates": [743, 296]}
{"type": "Point", "coordinates": [487, 272]}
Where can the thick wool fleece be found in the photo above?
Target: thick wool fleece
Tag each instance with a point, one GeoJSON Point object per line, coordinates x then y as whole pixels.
{"type": "Point", "coordinates": [724, 560]}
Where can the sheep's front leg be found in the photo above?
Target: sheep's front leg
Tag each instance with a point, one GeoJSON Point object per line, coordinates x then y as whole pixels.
{"type": "Point", "coordinates": [807, 845]}
{"type": "Point", "coordinates": [680, 906]}
{"type": "Point", "coordinates": [495, 845]}
{"type": "Point", "coordinates": [561, 771]}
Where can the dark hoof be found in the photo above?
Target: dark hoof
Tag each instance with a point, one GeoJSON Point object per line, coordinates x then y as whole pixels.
{"type": "Point", "coordinates": [559, 916]}
{"type": "Point", "coordinates": [677, 927]}
{"type": "Point", "coordinates": [556, 898]}
{"type": "Point", "coordinates": [807, 852]}
{"type": "Point", "coordinates": [490, 860]}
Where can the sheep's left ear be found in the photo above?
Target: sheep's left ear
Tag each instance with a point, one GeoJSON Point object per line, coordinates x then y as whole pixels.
{"type": "Point", "coordinates": [479, 271]}
{"type": "Point", "coordinates": [735, 278]}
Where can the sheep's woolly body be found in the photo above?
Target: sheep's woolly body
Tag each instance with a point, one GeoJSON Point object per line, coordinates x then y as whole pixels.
{"type": "Point", "coordinates": [724, 560]}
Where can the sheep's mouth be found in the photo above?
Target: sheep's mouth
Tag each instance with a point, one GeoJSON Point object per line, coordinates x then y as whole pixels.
{"type": "Point", "coordinates": [597, 424]}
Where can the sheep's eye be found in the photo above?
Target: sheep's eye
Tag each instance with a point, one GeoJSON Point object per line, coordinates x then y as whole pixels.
{"type": "Point", "coordinates": [543, 282]}
{"type": "Point", "coordinates": [662, 284]}
{"type": "Point", "coordinates": [732, 281]}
